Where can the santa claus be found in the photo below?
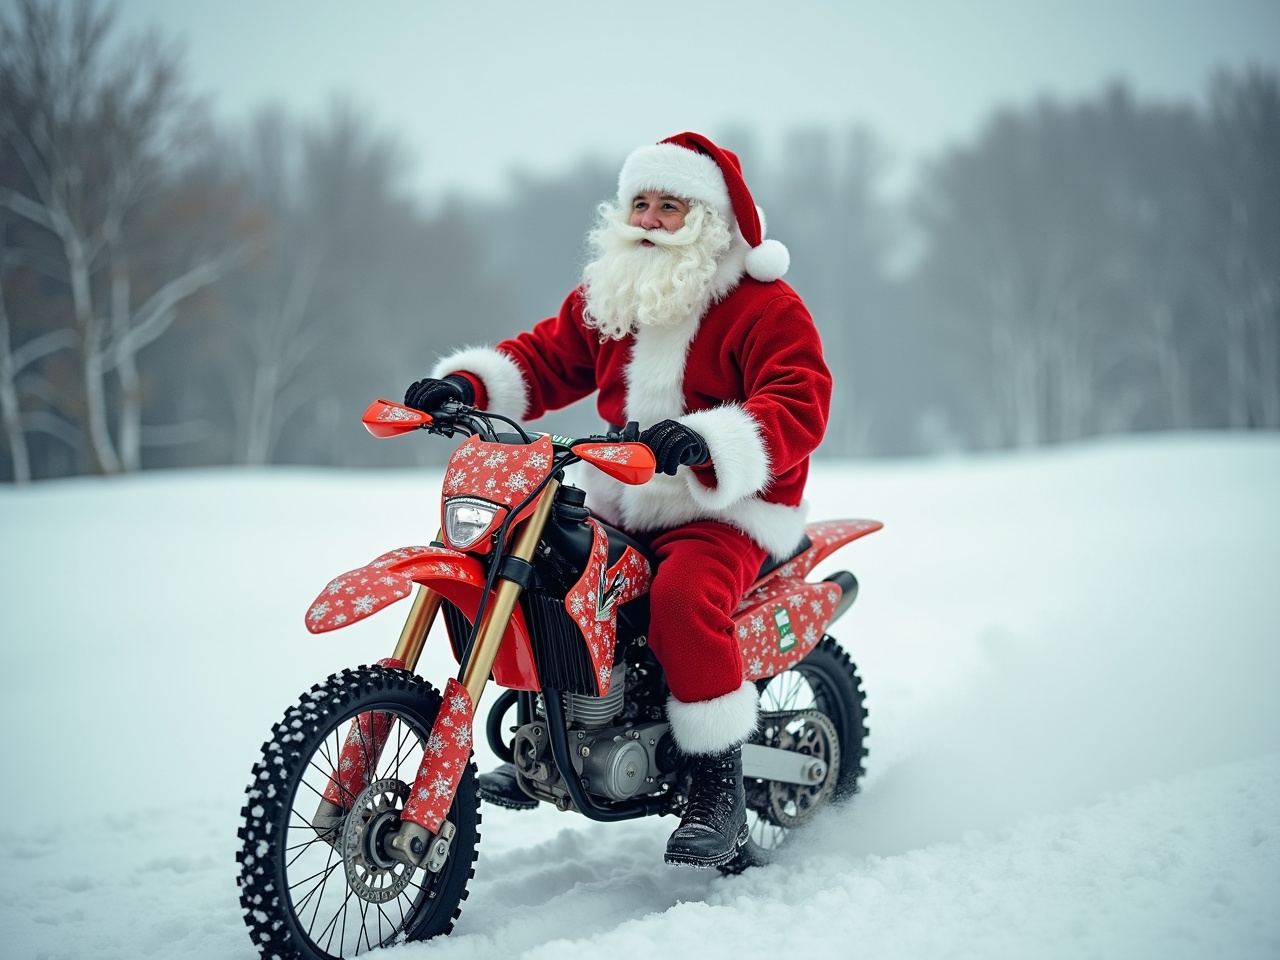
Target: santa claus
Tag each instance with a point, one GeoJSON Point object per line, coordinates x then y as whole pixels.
{"type": "Point", "coordinates": [682, 323]}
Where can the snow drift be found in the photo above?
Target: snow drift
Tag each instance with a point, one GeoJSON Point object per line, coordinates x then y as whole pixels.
{"type": "Point", "coordinates": [1070, 659]}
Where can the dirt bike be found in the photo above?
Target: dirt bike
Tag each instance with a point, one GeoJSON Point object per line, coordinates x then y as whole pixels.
{"type": "Point", "coordinates": [361, 823]}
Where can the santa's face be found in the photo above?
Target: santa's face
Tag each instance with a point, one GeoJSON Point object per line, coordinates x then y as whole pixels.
{"type": "Point", "coordinates": [652, 210]}
{"type": "Point", "coordinates": [652, 276]}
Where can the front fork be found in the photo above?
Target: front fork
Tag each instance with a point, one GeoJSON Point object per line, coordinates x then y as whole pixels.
{"type": "Point", "coordinates": [449, 745]}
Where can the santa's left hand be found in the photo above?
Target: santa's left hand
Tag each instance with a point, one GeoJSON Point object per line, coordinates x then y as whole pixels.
{"type": "Point", "coordinates": [673, 444]}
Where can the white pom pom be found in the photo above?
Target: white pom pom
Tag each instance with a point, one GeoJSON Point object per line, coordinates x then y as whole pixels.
{"type": "Point", "coordinates": [768, 262]}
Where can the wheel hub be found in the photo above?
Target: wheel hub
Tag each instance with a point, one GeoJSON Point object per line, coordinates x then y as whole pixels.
{"type": "Point", "coordinates": [812, 733]}
{"type": "Point", "coordinates": [372, 874]}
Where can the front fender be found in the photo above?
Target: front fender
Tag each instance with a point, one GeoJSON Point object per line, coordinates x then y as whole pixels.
{"type": "Point", "coordinates": [352, 596]}
{"type": "Point", "coordinates": [460, 579]}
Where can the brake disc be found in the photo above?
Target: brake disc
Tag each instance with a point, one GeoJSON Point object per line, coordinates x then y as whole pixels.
{"type": "Point", "coordinates": [372, 874]}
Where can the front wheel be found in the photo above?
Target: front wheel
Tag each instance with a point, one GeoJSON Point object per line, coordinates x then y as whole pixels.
{"type": "Point", "coordinates": [816, 708]}
{"type": "Point", "coordinates": [325, 888]}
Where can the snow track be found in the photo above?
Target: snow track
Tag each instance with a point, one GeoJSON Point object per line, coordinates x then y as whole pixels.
{"type": "Point", "coordinates": [1069, 658]}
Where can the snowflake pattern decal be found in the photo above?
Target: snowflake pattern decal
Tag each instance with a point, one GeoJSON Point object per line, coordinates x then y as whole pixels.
{"type": "Point", "coordinates": [502, 473]}
{"type": "Point", "coordinates": [383, 581]}
{"type": "Point", "coordinates": [593, 601]}
{"type": "Point", "coordinates": [365, 739]}
{"type": "Point", "coordinates": [444, 761]}
{"type": "Point", "coordinates": [784, 616]}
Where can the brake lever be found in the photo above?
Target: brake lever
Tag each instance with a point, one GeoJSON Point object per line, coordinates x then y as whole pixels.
{"type": "Point", "coordinates": [628, 434]}
{"type": "Point", "coordinates": [444, 420]}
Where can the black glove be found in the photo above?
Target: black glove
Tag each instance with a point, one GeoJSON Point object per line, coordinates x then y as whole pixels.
{"type": "Point", "coordinates": [674, 444]}
{"type": "Point", "coordinates": [430, 395]}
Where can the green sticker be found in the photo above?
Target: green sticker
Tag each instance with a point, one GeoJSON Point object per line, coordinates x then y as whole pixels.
{"type": "Point", "coordinates": [786, 636]}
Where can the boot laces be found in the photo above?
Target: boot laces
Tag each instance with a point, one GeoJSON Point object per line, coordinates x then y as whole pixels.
{"type": "Point", "coordinates": [712, 794]}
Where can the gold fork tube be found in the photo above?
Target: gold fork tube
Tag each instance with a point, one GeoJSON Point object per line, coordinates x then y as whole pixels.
{"type": "Point", "coordinates": [426, 604]}
{"type": "Point", "coordinates": [422, 614]}
{"type": "Point", "coordinates": [475, 675]}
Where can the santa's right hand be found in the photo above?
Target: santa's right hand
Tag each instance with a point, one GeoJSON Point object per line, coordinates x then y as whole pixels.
{"type": "Point", "coordinates": [430, 395]}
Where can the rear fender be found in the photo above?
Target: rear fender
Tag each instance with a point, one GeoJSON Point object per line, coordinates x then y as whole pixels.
{"type": "Point", "coordinates": [784, 615]}
{"type": "Point", "coordinates": [358, 594]}
{"type": "Point", "coordinates": [825, 538]}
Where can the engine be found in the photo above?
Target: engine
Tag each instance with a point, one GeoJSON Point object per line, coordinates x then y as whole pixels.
{"type": "Point", "coordinates": [614, 761]}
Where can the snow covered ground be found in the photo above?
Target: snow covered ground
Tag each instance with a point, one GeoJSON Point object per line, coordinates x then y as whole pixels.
{"type": "Point", "coordinates": [1072, 660]}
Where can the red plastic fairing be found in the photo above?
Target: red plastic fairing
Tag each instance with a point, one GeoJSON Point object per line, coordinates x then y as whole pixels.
{"type": "Point", "coordinates": [785, 621]}
{"type": "Point", "coordinates": [386, 419]}
{"type": "Point", "coordinates": [593, 601]}
{"type": "Point", "coordinates": [631, 463]}
{"type": "Point", "coordinates": [444, 760]}
{"type": "Point", "coordinates": [502, 473]}
{"type": "Point", "coordinates": [365, 739]}
{"type": "Point", "coordinates": [784, 616]}
{"type": "Point", "coordinates": [362, 592]}
{"type": "Point", "coordinates": [825, 538]}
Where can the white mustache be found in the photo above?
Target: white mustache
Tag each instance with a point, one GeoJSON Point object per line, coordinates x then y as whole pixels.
{"type": "Point", "coordinates": [683, 237]}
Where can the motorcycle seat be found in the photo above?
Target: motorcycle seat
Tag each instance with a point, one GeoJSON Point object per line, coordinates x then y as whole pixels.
{"type": "Point", "coordinates": [772, 563]}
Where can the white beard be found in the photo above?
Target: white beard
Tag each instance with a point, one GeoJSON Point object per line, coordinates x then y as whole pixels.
{"type": "Point", "coordinates": [629, 286]}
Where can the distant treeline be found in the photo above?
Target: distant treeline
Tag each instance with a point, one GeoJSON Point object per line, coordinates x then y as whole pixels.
{"type": "Point", "coordinates": [174, 294]}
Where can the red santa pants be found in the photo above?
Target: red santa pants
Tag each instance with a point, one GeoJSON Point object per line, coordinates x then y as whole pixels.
{"type": "Point", "coordinates": [703, 571]}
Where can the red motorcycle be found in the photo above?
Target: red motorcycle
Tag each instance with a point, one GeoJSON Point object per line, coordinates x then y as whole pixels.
{"type": "Point", "coordinates": [360, 828]}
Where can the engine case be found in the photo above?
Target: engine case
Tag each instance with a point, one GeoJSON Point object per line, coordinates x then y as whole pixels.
{"type": "Point", "coordinates": [615, 763]}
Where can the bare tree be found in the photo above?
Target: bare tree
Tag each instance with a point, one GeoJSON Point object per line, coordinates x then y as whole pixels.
{"type": "Point", "coordinates": [1068, 240]}
{"type": "Point", "coordinates": [327, 196]}
{"type": "Point", "coordinates": [1246, 119]}
{"type": "Point", "coordinates": [93, 127]}
{"type": "Point", "coordinates": [823, 203]}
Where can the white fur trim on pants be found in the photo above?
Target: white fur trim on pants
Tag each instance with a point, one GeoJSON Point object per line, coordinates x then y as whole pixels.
{"type": "Point", "coordinates": [713, 726]}
{"type": "Point", "coordinates": [502, 378]}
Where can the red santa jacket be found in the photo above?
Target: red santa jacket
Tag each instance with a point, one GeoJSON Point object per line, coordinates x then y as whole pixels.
{"type": "Point", "coordinates": [748, 376]}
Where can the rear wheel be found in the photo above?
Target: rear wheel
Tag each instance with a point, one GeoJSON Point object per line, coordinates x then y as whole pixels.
{"type": "Point", "coordinates": [324, 889]}
{"type": "Point", "coordinates": [816, 708]}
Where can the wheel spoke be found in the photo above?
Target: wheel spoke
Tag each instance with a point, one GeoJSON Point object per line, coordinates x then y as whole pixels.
{"type": "Point", "coordinates": [332, 926]}
{"type": "Point", "coordinates": [303, 847]}
{"type": "Point", "coordinates": [364, 926]}
{"type": "Point", "coordinates": [319, 890]}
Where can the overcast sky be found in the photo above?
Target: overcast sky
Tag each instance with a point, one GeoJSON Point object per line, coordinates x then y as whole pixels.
{"type": "Point", "coordinates": [476, 90]}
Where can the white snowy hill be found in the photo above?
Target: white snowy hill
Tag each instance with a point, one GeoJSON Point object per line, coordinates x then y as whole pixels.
{"type": "Point", "coordinates": [1071, 657]}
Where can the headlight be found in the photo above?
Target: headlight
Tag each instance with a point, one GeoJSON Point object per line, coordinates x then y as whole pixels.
{"type": "Point", "coordinates": [466, 520]}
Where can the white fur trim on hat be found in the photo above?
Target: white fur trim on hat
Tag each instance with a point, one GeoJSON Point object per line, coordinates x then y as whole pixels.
{"type": "Point", "coordinates": [676, 170]}
{"type": "Point", "coordinates": [737, 452]}
{"type": "Point", "coordinates": [502, 378]}
{"type": "Point", "coordinates": [713, 726]}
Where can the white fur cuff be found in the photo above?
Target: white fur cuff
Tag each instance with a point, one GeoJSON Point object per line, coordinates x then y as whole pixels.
{"type": "Point", "coordinates": [502, 378]}
{"type": "Point", "coordinates": [737, 452]}
{"type": "Point", "coordinates": [713, 726]}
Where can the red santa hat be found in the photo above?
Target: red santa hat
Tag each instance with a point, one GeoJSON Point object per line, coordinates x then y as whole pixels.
{"type": "Point", "coordinates": [691, 167]}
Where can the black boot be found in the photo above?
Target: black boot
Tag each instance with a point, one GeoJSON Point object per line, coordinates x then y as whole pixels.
{"type": "Point", "coordinates": [714, 825]}
{"type": "Point", "coordinates": [501, 787]}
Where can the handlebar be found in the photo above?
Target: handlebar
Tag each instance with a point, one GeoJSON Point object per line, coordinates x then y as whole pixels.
{"type": "Point", "coordinates": [386, 419]}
